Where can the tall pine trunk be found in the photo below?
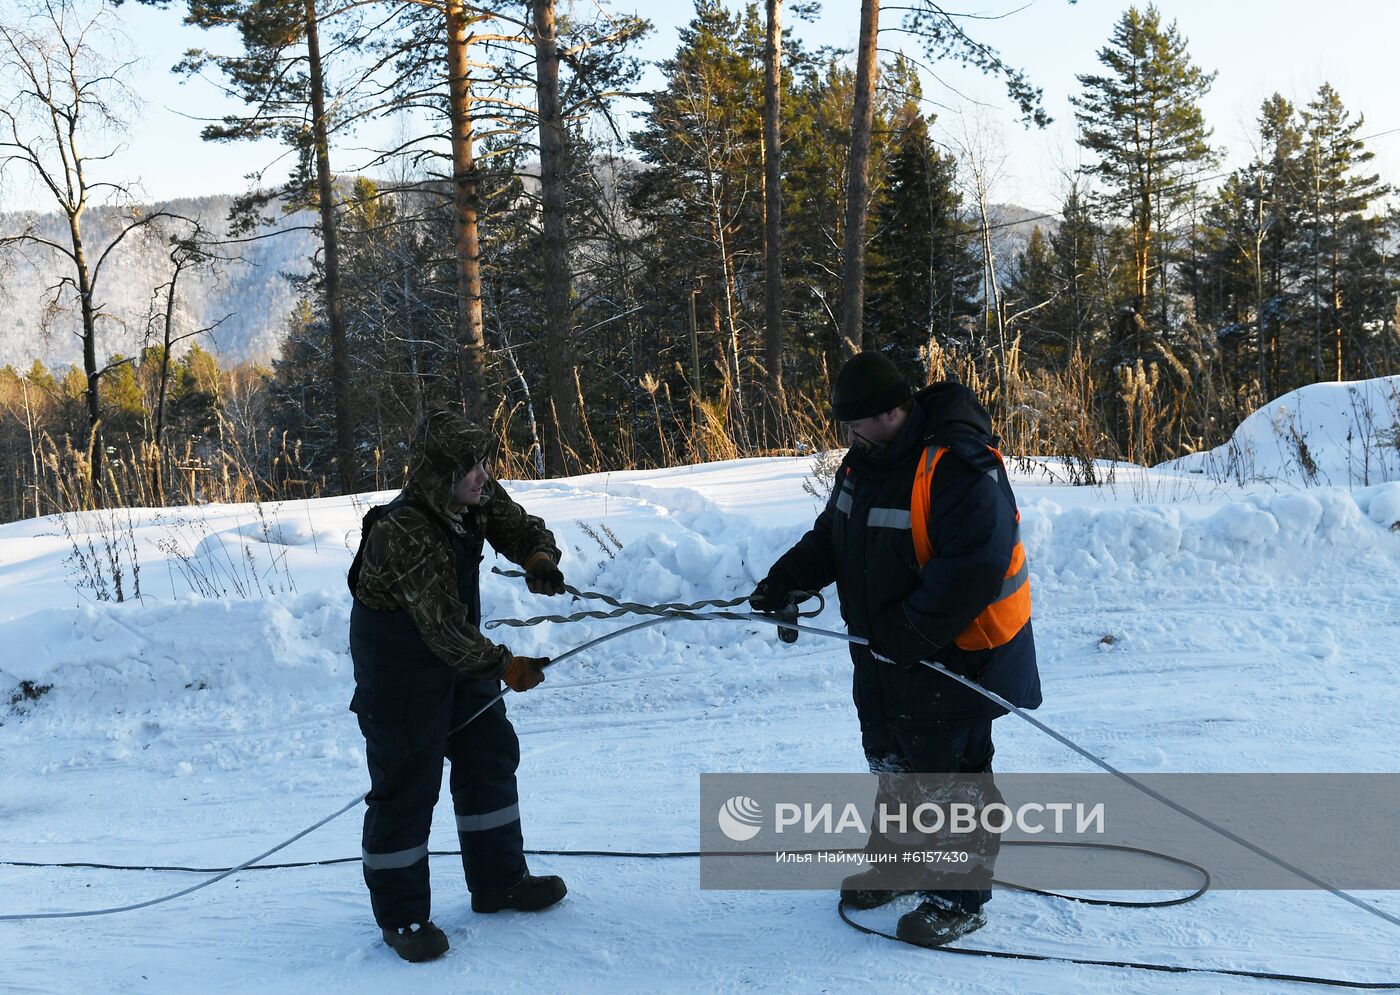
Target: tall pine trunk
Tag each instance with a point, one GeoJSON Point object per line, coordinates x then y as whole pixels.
{"type": "Point", "coordinates": [561, 446]}
{"type": "Point", "coordinates": [471, 340]}
{"type": "Point", "coordinates": [773, 228]}
{"type": "Point", "coordinates": [858, 183]}
{"type": "Point", "coordinates": [335, 315]}
{"type": "Point", "coordinates": [1143, 262]}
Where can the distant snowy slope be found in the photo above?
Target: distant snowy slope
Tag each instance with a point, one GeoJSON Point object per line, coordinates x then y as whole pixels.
{"type": "Point", "coordinates": [250, 291]}
{"type": "Point", "coordinates": [1342, 434]}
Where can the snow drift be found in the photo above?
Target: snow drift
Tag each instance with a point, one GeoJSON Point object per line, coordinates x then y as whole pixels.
{"type": "Point", "coordinates": [1343, 434]}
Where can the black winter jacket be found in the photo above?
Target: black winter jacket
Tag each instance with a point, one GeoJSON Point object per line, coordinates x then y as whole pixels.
{"type": "Point", "coordinates": [863, 542]}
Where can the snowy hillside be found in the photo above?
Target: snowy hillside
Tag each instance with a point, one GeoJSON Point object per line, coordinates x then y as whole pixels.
{"type": "Point", "coordinates": [250, 291]}
{"type": "Point", "coordinates": [1184, 625]}
{"type": "Point", "coordinates": [1343, 434]}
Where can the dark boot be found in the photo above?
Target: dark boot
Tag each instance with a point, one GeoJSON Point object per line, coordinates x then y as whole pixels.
{"type": "Point", "coordinates": [933, 924]}
{"type": "Point", "coordinates": [530, 894]}
{"type": "Point", "coordinates": [863, 891]}
{"type": "Point", "coordinates": [419, 942]}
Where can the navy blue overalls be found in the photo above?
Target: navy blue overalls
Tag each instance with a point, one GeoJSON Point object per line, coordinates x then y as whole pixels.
{"type": "Point", "coordinates": [407, 699]}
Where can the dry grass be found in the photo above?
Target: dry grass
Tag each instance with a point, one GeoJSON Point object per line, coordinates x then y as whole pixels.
{"type": "Point", "coordinates": [1065, 412]}
{"type": "Point", "coordinates": [148, 476]}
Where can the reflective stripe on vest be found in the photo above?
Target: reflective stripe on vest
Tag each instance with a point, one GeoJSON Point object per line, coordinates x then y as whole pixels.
{"type": "Point", "coordinates": [1003, 618]}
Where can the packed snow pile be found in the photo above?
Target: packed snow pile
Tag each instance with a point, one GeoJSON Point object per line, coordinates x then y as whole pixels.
{"type": "Point", "coordinates": [1339, 434]}
{"type": "Point", "coordinates": [1184, 623]}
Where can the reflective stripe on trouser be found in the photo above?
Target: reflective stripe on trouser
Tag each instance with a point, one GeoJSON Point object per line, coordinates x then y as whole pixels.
{"type": "Point", "coordinates": [404, 749]}
{"type": "Point", "coordinates": [484, 756]}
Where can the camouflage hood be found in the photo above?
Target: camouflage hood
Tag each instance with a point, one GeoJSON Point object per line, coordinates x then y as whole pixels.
{"type": "Point", "coordinates": [445, 448]}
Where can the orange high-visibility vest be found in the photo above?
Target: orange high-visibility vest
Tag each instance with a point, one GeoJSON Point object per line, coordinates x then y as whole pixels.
{"type": "Point", "coordinates": [1003, 618]}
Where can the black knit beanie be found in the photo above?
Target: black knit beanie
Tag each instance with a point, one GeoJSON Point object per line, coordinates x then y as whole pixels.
{"type": "Point", "coordinates": [868, 385]}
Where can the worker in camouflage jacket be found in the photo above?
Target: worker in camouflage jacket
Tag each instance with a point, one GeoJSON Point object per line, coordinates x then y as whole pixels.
{"type": "Point", "coordinates": [422, 667]}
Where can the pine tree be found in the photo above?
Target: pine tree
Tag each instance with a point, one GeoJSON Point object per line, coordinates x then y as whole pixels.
{"type": "Point", "coordinates": [814, 163]}
{"type": "Point", "coordinates": [858, 182]}
{"type": "Point", "coordinates": [942, 37]}
{"type": "Point", "coordinates": [281, 76]}
{"type": "Point", "coordinates": [1279, 184]}
{"type": "Point", "coordinates": [1343, 241]}
{"type": "Point", "coordinates": [1143, 121]}
{"type": "Point", "coordinates": [774, 402]}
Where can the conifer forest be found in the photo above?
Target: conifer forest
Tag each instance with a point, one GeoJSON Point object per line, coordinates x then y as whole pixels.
{"type": "Point", "coordinates": [614, 276]}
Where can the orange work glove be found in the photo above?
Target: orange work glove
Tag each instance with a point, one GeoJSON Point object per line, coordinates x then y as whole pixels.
{"type": "Point", "coordinates": [525, 672]}
{"type": "Point", "coordinates": [543, 576]}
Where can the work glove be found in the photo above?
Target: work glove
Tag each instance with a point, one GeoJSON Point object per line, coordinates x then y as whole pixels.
{"type": "Point", "coordinates": [543, 576]}
{"type": "Point", "coordinates": [771, 595]}
{"type": "Point", "coordinates": [525, 672]}
{"type": "Point", "coordinates": [894, 637]}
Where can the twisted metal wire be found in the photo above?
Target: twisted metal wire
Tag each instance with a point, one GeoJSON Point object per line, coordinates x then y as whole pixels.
{"type": "Point", "coordinates": [675, 609]}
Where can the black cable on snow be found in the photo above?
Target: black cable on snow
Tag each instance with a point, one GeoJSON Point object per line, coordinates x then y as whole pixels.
{"type": "Point", "coordinates": [1302, 979]}
{"type": "Point", "coordinates": [841, 908]}
{"type": "Point", "coordinates": [223, 873]}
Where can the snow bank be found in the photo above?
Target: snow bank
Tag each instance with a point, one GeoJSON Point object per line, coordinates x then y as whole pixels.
{"type": "Point", "coordinates": [133, 655]}
{"type": "Point", "coordinates": [657, 544]}
{"type": "Point", "coordinates": [1127, 543]}
{"type": "Point", "coordinates": [1342, 434]}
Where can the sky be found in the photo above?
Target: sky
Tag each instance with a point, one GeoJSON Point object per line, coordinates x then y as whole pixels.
{"type": "Point", "coordinates": [1256, 47]}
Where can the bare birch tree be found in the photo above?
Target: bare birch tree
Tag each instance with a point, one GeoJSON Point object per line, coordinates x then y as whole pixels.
{"type": "Point", "coordinates": [62, 118]}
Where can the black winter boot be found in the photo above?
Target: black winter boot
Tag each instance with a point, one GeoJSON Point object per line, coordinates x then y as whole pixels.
{"type": "Point", "coordinates": [863, 890]}
{"type": "Point", "coordinates": [933, 924]}
{"type": "Point", "coordinates": [419, 942]}
{"type": "Point", "coordinates": [530, 894]}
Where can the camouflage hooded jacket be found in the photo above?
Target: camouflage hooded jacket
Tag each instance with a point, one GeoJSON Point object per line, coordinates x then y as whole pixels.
{"type": "Point", "coordinates": [407, 566]}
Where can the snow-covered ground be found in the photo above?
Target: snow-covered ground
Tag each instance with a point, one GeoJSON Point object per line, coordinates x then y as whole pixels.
{"type": "Point", "coordinates": [1342, 434]}
{"type": "Point", "coordinates": [1184, 624]}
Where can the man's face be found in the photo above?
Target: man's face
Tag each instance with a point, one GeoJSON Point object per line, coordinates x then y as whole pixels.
{"type": "Point", "coordinates": [874, 432]}
{"type": "Point", "coordinates": [471, 489]}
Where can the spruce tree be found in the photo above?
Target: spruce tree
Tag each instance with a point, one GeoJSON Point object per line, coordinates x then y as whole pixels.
{"type": "Point", "coordinates": [1056, 294]}
{"type": "Point", "coordinates": [703, 195]}
{"type": "Point", "coordinates": [922, 278]}
{"type": "Point", "coordinates": [1031, 290]}
{"type": "Point", "coordinates": [817, 130]}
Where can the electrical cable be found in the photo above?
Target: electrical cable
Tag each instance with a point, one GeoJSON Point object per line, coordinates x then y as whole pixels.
{"type": "Point", "coordinates": [675, 612]}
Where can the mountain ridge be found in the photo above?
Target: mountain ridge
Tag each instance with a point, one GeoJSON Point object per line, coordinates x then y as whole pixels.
{"type": "Point", "coordinates": [250, 292]}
